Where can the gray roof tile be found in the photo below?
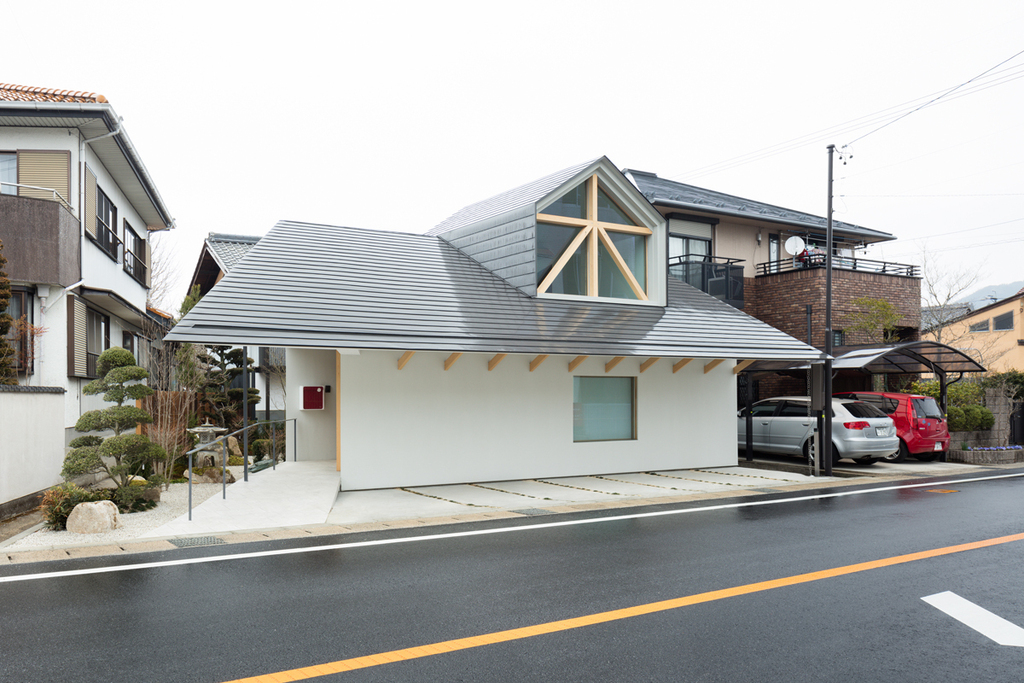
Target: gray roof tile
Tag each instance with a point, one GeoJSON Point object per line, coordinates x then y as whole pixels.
{"type": "Point", "coordinates": [320, 286]}
{"type": "Point", "coordinates": [230, 249]}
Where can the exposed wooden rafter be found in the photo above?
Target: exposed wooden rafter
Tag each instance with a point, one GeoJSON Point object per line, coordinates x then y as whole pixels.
{"type": "Point", "coordinates": [612, 363]}
{"type": "Point", "coordinates": [493, 363]}
{"type": "Point", "coordinates": [535, 363]}
{"type": "Point", "coordinates": [713, 364]}
{"type": "Point", "coordinates": [648, 363]}
{"type": "Point", "coordinates": [450, 360]}
{"type": "Point", "coordinates": [575, 362]}
{"type": "Point", "coordinates": [405, 359]}
{"type": "Point", "coordinates": [742, 365]}
{"type": "Point", "coordinates": [680, 365]}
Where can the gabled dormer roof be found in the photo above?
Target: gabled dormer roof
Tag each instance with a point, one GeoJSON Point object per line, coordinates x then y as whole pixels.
{"type": "Point", "coordinates": [671, 194]}
{"type": "Point", "coordinates": [221, 252]}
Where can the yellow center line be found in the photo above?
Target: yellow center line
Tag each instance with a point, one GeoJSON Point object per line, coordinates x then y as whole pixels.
{"type": "Point", "coordinates": [602, 617]}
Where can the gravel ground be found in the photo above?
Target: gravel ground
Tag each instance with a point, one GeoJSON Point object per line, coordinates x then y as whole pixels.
{"type": "Point", "coordinates": [173, 504]}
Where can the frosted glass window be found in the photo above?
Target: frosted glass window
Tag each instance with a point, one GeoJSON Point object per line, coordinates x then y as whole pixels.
{"type": "Point", "coordinates": [8, 172]}
{"type": "Point", "coordinates": [603, 408]}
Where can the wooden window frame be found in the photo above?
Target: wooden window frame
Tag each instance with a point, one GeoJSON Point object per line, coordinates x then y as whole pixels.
{"type": "Point", "coordinates": [594, 232]}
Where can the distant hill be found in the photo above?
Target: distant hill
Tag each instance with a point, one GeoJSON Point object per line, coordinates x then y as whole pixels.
{"type": "Point", "coordinates": [990, 294]}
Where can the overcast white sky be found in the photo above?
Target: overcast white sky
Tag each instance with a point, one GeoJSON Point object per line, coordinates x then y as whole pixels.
{"type": "Point", "coordinates": [395, 115]}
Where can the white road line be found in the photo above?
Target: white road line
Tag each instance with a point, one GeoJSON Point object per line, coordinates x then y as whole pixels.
{"type": "Point", "coordinates": [481, 532]}
{"type": "Point", "coordinates": [980, 619]}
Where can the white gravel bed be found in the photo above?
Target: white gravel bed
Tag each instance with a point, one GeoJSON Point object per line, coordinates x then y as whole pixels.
{"type": "Point", "coordinates": [173, 504]}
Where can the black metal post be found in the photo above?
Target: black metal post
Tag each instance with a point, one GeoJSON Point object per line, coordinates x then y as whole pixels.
{"type": "Point", "coordinates": [190, 473]}
{"type": "Point", "coordinates": [826, 437]}
{"type": "Point", "coordinates": [224, 469]}
{"type": "Point", "coordinates": [245, 413]}
{"type": "Point", "coordinates": [273, 443]}
{"type": "Point", "coordinates": [750, 417]}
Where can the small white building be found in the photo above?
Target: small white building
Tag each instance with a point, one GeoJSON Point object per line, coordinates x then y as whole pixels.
{"type": "Point", "coordinates": [535, 334]}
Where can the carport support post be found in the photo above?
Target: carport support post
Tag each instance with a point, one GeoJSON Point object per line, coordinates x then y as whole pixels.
{"type": "Point", "coordinates": [818, 409]}
{"type": "Point", "coordinates": [750, 416]}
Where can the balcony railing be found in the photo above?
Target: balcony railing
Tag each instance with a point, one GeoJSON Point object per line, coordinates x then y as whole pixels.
{"type": "Point", "coordinates": [838, 263]}
{"type": "Point", "coordinates": [35, 192]}
{"type": "Point", "coordinates": [720, 277]}
{"type": "Point", "coordinates": [135, 267]}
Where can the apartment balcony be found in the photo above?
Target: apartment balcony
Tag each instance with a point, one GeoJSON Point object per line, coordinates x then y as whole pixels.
{"type": "Point", "coordinates": [720, 277]}
{"type": "Point", "coordinates": [41, 240]}
{"type": "Point", "coordinates": [862, 265]}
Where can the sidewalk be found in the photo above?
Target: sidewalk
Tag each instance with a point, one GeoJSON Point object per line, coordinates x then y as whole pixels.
{"type": "Point", "coordinates": [301, 499]}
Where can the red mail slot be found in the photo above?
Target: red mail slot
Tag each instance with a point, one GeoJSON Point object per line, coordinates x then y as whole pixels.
{"type": "Point", "coordinates": [312, 398]}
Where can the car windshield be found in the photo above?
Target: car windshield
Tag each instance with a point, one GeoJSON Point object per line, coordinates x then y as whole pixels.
{"type": "Point", "coordinates": [860, 409]}
{"type": "Point", "coordinates": [926, 407]}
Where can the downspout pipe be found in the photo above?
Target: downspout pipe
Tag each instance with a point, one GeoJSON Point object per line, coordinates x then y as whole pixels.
{"type": "Point", "coordinates": [81, 172]}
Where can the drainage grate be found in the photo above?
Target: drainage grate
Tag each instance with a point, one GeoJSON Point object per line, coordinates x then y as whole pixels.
{"type": "Point", "coordinates": [532, 511]}
{"type": "Point", "coordinates": [197, 540]}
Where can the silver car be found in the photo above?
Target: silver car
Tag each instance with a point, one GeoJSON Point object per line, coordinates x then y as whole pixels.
{"type": "Point", "coordinates": [860, 431]}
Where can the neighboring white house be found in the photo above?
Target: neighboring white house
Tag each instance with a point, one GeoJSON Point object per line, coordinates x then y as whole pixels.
{"type": "Point", "coordinates": [77, 207]}
{"type": "Point", "coordinates": [535, 334]}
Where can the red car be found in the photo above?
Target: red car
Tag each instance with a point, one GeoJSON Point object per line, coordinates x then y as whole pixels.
{"type": "Point", "coordinates": [920, 423]}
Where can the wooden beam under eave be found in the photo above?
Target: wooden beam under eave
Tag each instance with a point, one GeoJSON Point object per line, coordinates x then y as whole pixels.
{"type": "Point", "coordinates": [450, 360]}
{"type": "Point", "coordinates": [493, 363]}
{"type": "Point", "coordinates": [405, 358]}
{"type": "Point", "coordinates": [535, 363]}
{"type": "Point", "coordinates": [575, 362]}
{"type": "Point", "coordinates": [713, 364]}
{"type": "Point", "coordinates": [680, 365]}
{"type": "Point", "coordinates": [742, 365]}
{"type": "Point", "coordinates": [648, 363]}
{"type": "Point", "coordinates": [612, 363]}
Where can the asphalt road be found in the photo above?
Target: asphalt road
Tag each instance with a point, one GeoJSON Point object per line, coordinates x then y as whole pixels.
{"type": "Point", "coordinates": [257, 614]}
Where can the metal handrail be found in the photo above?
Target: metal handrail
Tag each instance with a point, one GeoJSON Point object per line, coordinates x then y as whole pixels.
{"type": "Point", "coordinates": [224, 461]}
{"type": "Point", "coordinates": [44, 189]}
{"type": "Point", "coordinates": [838, 263]}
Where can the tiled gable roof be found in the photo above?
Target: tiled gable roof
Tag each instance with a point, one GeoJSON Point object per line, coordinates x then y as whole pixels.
{"type": "Point", "coordinates": [26, 93]}
{"type": "Point", "coordinates": [230, 249]}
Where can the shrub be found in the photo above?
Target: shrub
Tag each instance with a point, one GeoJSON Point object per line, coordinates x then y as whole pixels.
{"type": "Point", "coordinates": [960, 394]}
{"type": "Point", "coordinates": [970, 418]}
{"type": "Point", "coordinates": [132, 499]}
{"type": "Point", "coordinates": [59, 501]}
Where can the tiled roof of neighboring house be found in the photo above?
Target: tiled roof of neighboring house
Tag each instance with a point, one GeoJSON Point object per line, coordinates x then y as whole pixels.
{"type": "Point", "coordinates": [660, 191]}
{"type": "Point", "coordinates": [320, 286]}
{"type": "Point", "coordinates": [230, 249]}
{"type": "Point", "coordinates": [937, 316]}
{"type": "Point", "coordinates": [523, 195]}
{"type": "Point", "coordinates": [26, 93]}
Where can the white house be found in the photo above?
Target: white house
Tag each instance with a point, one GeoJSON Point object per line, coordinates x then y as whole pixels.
{"type": "Point", "coordinates": [534, 334]}
{"type": "Point", "coordinates": [77, 207]}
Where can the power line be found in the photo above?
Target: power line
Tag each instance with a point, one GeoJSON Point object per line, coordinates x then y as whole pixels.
{"type": "Point", "coordinates": [1003, 194]}
{"type": "Point", "coordinates": [902, 110]}
{"type": "Point", "coordinates": [933, 101]}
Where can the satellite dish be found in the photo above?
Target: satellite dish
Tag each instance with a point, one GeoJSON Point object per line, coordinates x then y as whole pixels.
{"type": "Point", "coordinates": [794, 245]}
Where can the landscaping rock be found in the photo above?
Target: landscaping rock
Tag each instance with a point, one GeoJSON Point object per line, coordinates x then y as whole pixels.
{"type": "Point", "coordinates": [233, 447]}
{"type": "Point", "coordinates": [212, 475]}
{"type": "Point", "coordinates": [94, 518]}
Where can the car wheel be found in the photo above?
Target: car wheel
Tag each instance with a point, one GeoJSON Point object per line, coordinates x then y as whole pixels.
{"type": "Point", "coordinates": [865, 462]}
{"type": "Point", "coordinates": [898, 456]}
{"type": "Point", "coordinates": [927, 456]}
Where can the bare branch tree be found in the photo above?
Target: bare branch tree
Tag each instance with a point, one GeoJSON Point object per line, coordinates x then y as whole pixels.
{"type": "Point", "coordinates": [161, 270]}
{"type": "Point", "coordinates": [941, 289]}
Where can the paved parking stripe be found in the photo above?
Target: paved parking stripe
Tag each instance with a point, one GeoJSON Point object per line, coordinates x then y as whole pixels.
{"type": "Point", "coordinates": [612, 615]}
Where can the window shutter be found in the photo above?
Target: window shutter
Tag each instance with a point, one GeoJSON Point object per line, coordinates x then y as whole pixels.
{"type": "Point", "coordinates": [149, 262]}
{"type": "Point", "coordinates": [49, 169]}
{"type": "Point", "coordinates": [90, 203]}
{"type": "Point", "coordinates": [77, 332]}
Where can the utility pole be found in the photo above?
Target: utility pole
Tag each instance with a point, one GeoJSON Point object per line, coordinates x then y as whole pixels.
{"type": "Point", "coordinates": [826, 437]}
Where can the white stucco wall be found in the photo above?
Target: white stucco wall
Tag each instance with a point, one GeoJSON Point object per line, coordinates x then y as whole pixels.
{"type": "Point", "coordinates": [32, 447]}
{"type": "Point", "coordinates": [423, 425]}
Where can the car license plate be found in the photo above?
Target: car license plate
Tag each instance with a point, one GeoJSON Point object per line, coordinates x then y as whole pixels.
{"type": "Point", "coordinates": [882, 431]}
{"type": "Point", "coordinates": [938, 447]}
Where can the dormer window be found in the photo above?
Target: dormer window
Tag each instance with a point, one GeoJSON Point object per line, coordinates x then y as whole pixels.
{"type": "Point", "coordinates": [587, 245]}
